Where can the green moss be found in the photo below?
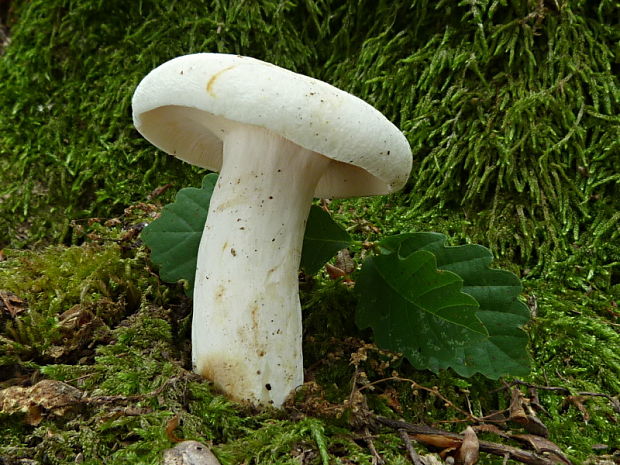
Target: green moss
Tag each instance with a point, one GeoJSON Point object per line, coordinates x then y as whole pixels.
{"type": "Point", "coordinates": [575, 338]}
{"type": "Point", "coordinates": [68, 79]}
{"type": "Point", "coordinates": [145, 354]}
{"type": "Point", "coordinates": [55, 279]}
{"type": "Point", "coordinates": [510, 108]}
{"type": "Point", "coordinates": [69, 296]}
{"type": "Point", "coordinates": [575, 343]}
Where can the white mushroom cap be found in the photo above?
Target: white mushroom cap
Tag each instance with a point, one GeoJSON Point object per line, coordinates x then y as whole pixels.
{"type": "Point", "coordinates": [186, 105]}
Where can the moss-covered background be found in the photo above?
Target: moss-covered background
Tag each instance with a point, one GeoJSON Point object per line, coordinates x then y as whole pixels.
{"type": "Point", "coordinates": [512, 112]}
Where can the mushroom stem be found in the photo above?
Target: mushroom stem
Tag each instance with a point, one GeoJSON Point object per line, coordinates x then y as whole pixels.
{"type": "Point", "coordinates": [246, 329]}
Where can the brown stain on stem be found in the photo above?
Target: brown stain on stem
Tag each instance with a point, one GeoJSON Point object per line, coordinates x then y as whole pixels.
{"type": "Point", "coordinates": [214, 78]}
{"type": "Point", "coordinates": [219, 293]}
{"type": "Point", "coordinates": [254, 317]}
{"type": "Point", "coordinates": [231, 376]}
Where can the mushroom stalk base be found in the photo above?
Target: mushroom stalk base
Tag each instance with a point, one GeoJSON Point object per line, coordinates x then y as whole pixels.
{"type": "Point", "coordinates": [246, 329]}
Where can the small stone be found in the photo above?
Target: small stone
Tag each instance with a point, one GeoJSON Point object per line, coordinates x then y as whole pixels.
{"type": "Point", "coordinates": [600, 447]}
{"type": "Point", "coordinates": [190, 453]}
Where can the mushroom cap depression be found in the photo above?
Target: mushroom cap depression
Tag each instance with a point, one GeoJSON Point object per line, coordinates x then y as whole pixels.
{"type": "Point", "coordinates": [187, 105]}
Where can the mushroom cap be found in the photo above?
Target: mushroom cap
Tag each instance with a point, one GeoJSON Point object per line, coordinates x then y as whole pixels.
{"type": "Point", "coordinates": [187, 104]}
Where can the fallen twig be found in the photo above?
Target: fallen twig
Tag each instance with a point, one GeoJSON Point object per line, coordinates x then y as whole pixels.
{"type": "Point", "coordinates": [445, 439]}
{"type": "Point", "coordinates": [559, 389]}
{"type": "Point", "coordinates": [375, 455]}
{"type": "Point", "coordinates": [434, 391]}
{"type": "Point", "coordinates": [613, 400]}
{"type": "Point", "coordinates": [413, 455]}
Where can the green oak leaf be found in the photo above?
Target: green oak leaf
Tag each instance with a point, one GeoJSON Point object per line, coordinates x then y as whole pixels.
{"type": "Point", "coordinates": [323, 238]}
{"type": "Point", "coordinates": [417, 310]}
{"type": "Point", "coordinates": [503, 350]}
{"type": "Point", "coordinates": [174, 237]}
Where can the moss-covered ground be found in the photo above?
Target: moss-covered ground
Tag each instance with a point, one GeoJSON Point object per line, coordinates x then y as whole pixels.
{"type": "Point", "coordinates": [511, 108]}
{"type": "Point", "coordinates": [96, 317]}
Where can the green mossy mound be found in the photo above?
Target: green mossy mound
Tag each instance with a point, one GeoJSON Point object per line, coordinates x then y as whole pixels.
{"type": "Point", "coordinates": [511, 108]}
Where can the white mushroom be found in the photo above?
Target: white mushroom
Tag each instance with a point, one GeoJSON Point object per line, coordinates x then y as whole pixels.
{"type": "Point", "coordinates": [278, 139]}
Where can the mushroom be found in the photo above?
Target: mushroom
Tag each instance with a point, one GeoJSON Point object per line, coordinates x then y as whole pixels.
{"type": "Point", "coordinates": [278, 139]}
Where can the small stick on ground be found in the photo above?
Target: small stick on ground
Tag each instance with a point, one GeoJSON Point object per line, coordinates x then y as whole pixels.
{"type": "Point", "coordinates": [436, 437]}
{"type": "Point", "coordinates": [563, 390]}
{"type": "Point", "coordinates": [613, 400]}
{"type": "Point", "coordinates": [375, 455]}
{"type": "Point", "coordinates": [413, 455]}
{"type": "Point", "coordinates": [433, 391]}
